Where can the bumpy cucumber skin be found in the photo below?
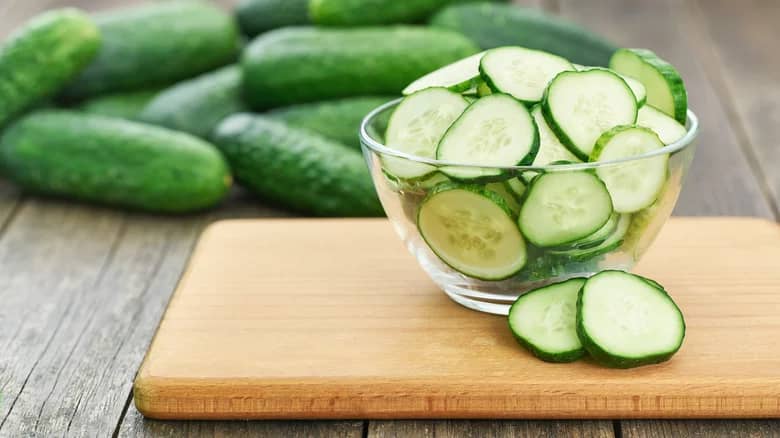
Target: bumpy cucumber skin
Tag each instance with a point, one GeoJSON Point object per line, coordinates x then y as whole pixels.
{"type": "Point", "coordinates": [113, 161]}
{"type": "Point", "coordinates": [297, 169]}
{"type": "Point", "coordinates": [338, 119]}
{"type": "Point", "coordinates": [373, 12]}
{"type": "Point", "coordinates": [673, 79]}
{"type": "Point", "coordinates": [122, 105]}
{"type": "Point", "coordinates": [299, 65]}
{"type": "Point", "coordinates": [562, 357]}
{"type": "Point", "coordinates": [198, 105]}
{"type": "Point", "coordinates": [556, 128]}
{"type": "Point", "coordinates": [258, 16]}
{"type": "Point", "coordinates": [42, 56]}
{"type": "Point", "coordinates": [497, 25]}
{"type": "Point", "coordinates": [607, 359]}
{"type": "Point", "coordinates": [479, 190]}
{"type": "Point", "coordinates": [155, 45]}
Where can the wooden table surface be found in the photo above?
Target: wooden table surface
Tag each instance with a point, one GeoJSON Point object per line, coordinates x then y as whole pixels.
{"type": "Point", "coordinates": [82, 288]}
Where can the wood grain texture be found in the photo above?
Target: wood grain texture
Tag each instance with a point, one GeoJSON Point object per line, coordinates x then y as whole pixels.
{"type": "Point", "coordinates": [279, 319]}
{"type": "Point", "coordinates": [488, 428]}
{"type": "Point", "coordinates": [700, 429]}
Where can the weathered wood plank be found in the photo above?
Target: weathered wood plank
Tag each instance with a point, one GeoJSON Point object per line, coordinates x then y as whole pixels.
{"type": "Point", "coordinates": [701, 429]}
{"type": "Point", "coordinates": [747, 75]}
{"type": "Point", "coordinates": [721, 181]}
{"type": "Point", "coordinates": [487, 428]}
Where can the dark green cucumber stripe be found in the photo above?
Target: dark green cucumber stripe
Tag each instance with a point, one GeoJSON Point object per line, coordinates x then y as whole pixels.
{"type": "Point", "coordinates": [157, 44]}
{"type": "Point", "coordinates": [198, 105]}
{"type": "Point", "coordinates": [113, 161]}
{"type": "Point", "coordinates": [338, 119]}
{"type": "Point", "coordinates": [306, 64]}
{"type": "Point", "coordinates": [42, 56]}
{"type": "Point", "coordinates": [258, 16]}
{"type": "Point", "coordinates": [496, 25]}
{"type": "Point", "coordinates": [123, 105]}
{"type": "Point", "coordinates": [296, 168]}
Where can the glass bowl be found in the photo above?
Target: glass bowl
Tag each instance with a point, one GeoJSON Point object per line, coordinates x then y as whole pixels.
{"type": "Point", "coordinates": [401, 200]}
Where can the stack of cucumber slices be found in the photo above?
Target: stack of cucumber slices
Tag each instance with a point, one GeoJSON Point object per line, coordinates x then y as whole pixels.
{"type": "Point", "coordinates": [474, 120]}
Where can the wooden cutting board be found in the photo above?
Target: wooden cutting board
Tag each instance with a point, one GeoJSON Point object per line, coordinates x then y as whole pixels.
{"type": "Point", "coordinates": [333, 318]}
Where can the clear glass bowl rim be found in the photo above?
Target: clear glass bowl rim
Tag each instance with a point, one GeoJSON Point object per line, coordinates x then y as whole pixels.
{"type": "Point", "coordinates": [368, 141]}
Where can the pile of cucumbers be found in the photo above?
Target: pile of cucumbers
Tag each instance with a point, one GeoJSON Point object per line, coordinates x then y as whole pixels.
{"type": "Point", "coordinates": [160, 107]}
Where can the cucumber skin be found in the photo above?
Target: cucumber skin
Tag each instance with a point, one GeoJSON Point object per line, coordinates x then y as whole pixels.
{"type": "Point", "coordinates": [196, 106]}
{"type": "Point", "coordinates": [496, 25]}
{"type": "Point", "coordinates": [42, 56]}
{"type": "Point", "coordinates": [258, 16]}
{"type": "Point", "coordinates": [156, 45]}
{"type": "Point", "coordinates": [299, 65]}
{"type": "Point", "coordinates": [610, 360]}
{"type": "Point", "coordinates": [602, 141]}
{"type": "Point", "coordinates": [673, 79]}
{"type": "Point", "coordinates": [113, 161]}
{"type": "Point", "coordinates": [337, 119]}
{"type": "Point", "coordinates": [296, 168]}
{"type": "Point", "coordinates": [565, 357]}
{"type": "Point", "coordinates": [366, 12]}
{"type": "Point", "coordinates": [122, 105]}
{"type": "Point", "coordinates": [479, 190]}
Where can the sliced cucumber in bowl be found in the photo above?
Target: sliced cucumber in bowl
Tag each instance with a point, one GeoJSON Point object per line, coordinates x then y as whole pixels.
{"type": "Point", "coordinates": [612, 242]}
{"type": "Point", "coordinates": [522, 73]}
{"type": "Point", "coordinates": [637, 87]}
{"type": "Point", "coordinates": [472, 230]}
{"type": "Point", "coordinates": [668, 129]}
{"type": "Point", "coordinates": [460, 76]}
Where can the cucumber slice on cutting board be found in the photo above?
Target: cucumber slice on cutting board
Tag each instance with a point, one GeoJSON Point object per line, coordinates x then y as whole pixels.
{"type": "Point", "coordinates": [459, 76]}
{"type": "Point", "coordinates": [665, 88]}
{"type": "Point", "coordinates": [668, 129]}
{"type": "Point", "coordinates": [472, 230]}
{"type": "Point", "coordinates": [579, 106]}
{"type": "Point", "coordinates": [494, 131]}
{"type": "Point", "coordinates": [544, 321]}
{"type": "Point", "coordinates": [416, 126]}
{"type": "Point", "coordinates": [522, 73]}
{"type": "Point", "coordinates": [624, 320]}
{"type": "Point", "coordinates": [563, 207]}
{"type": "Point", "coordinates": [639, 90]}
{"type": "Point", "coordinates": [633, 184]}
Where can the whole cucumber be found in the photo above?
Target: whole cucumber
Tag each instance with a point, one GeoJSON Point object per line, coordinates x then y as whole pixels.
{"type": "Point", "coordinates": [42, 56]}
{"type": "Point", "coordinates": [113, 161]}
{"type": "Point", "coordinates": [306, 64]}
{"type": "Point", "coordinates": [157, 44]}
{"type": "Point", "coordinates": [369, 12]}
{"type": "Point", "coordinates": [126, 105]}
{"type": "Point", "coordinates": [258, 16]}
{"type": "Point", "coordinates": [296, 168]}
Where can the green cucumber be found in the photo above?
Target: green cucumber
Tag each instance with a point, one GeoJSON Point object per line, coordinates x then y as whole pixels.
{"type": "Point", "coordinates": [563, 207]}
{"type": "Point", "coordinates": [612, 242]}
{"type": "Point", "coordinates": [624, 320]}
{"type": "Point", "coordinates": [307, 64]}
{"type": "Point", "coordinates": [516, 186]}
{"type": "Point", "coordinates": [471, 229]}
{"type": "Point", "coordinates": [544, 320]}
{"type": "Point", "coordinates": [494, 132]}
{"type": "Point", "coordinates": [460, 76]}
{"type": "Point", "coordinates": [337, 119]}
{"type": "Point", "coordinates": [594, 239]}
{"type": "Point", "coordinates": [521, 73]}
{"type": "Point", "coordinates": [42, 56]}
{"type": "Point", "coordinates": [258, 16]}
{"type": "Point", "coordinates": [502, 190]}
{"type": "Point", "coordinates": [550, 148]}
{"type": "Point", "coordinates": [156, 45]}
{"type": "Point", "coordinates": [296, 168]}
{"type": "Point", "coordinates": [639, 90]}
{"type": "Point", "coordinates": [665, 87]}
{"type": "Point", "coordinates": [579, 106]}
{"type": "Point", "coordinates": [113, 161]}
{"type": "Point", "coordinates": [373, 12]}
{"type": "Point", "coordinates": [635, 184]}
{"type": "Point", "coordinates": [497, 25]}
{"type": "Point", "coordinates": [127, 105]}
{"type": "Point", "coordinates": [197, 105]}
{"type": "Point", "coordinates": [668, 129]}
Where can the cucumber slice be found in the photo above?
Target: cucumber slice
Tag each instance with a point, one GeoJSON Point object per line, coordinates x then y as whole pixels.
{"type": "Point", "coordinates": [483, 89]}
{"type": "Point", "coordinates": [634, 184]}
{"type": "Point", "coordinates": [458, 76]}
{"type": "Point", "coordinates": [471, 229]}
{"type": "Point", "coordinates": [416, 126]}
{"type": "Point", "coordinates": [624, 320]}
{"type": "Point", "coordinates": [494, 131]}
{"type": "Point", "coordinates": [594, 239]}
{"type": "Point", "coordinates": [639, 90]}
{"type": "Point", "coordinates": [522, 73]}
{"type": "Point", "coordinates": [516, 186]}
{"type": "Point", "coordinates": [562, 207]}
{"type": "Point", "coordinates": [612, 242]}
{"type": "Point", "coordinates": [544, 320]}
{"type": "Point", "coordinates": [580, 106]}
{"type": "Point", "coordinates": [501, 189]}
{"type": "Point", "coordinates": [550, 148]}
{"type": "Point", "coordinates": [665, 87]}
{"type": "Point", "coordinates": [668, 129]}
